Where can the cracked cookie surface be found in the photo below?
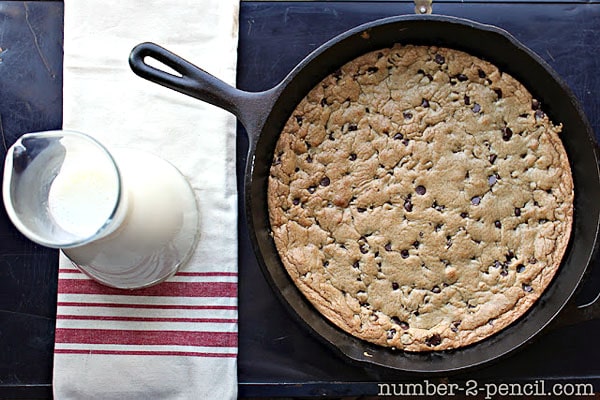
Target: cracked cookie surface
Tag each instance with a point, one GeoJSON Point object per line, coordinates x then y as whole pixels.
{"type": "Point", "coordinates": [420, 198]}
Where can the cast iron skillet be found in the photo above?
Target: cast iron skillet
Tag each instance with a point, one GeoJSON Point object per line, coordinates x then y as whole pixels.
{"type": "Point", "coordinates": [263, 114]}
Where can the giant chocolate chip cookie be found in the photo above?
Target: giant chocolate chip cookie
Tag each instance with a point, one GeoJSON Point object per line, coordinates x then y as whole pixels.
{"type": "Point", "coordinates": [420, 198]}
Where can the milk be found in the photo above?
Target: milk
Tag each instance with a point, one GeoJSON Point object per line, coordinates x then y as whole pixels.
{"type": "Point", "coordinates": [152, 231]}
{"type": "Point", "coordinates": [83, 196]}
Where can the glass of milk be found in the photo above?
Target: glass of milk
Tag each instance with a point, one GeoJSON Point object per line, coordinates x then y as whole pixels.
{"type": "Point", "coordinates": [126, 218]}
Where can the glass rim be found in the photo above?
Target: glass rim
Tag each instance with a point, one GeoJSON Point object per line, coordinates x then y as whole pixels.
{"type": "Point", "coordinates": [45, 240]}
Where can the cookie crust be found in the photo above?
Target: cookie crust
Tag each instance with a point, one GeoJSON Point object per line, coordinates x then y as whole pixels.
{"type": "Point", "coordinates": [420, 198]}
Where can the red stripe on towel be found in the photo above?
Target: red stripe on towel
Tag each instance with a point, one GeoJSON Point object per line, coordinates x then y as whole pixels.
{"type": "Point", "coordinates": [150, 306]}
{"type": "Point", "coordinates": [134, 337]}
{"type": "Point", "coordinates": [146, 353]}
{"type": "Point", "coordinates": [145, 319]}
{"type": "Point", "coordinates": [206, 274]}
{"type": "Point", "coordinates": [180, 273]}
{"type": "Point", "coordinates": [171, 289]}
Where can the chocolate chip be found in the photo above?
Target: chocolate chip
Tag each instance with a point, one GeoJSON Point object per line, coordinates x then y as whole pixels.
{"type": "Point", "coordinates": [439, 59]}
{"type": "Point", "coordinates": [405, 142]}
{"type": "Point", "coordinates": [398, 136]}
{"type": "Point", "coordinates": [420, 71]}
{"type": "Point", "coordinates": [532, 260]}
{"type": "Point", "coordinates": [462, 77]}
{"type": "Point", "coordinates": [455, 325]}
{"type": "Point", "coordinates": [407, 115]}
{"type": "Point", "coordinates": [395, 320]}
{"type": "Point", "coordinates": [395, 286]}
{"type": "Point", "coordinates": [497, 264]}
{"type": "Point", "coordinates": [391, 333]}
{"type": "Point", "coordinates": [525, 115]}
{"type": "Point", "coordinates": [520, 268]}
{"type": "Point", "coordinates": [504, 272]}
{"type": "Point", "coordinates": [309, 159]}
{"type": "Point", "coordinates": [539, 114]}
{"type": "Point", "coordinates": [433, 340]}
{"type": "Point", "coordinates": [404, 253]}
{"type": "Point", "coordinates": [510, 255]}
{"type": "Point", "coordinates": [498, 224]}
{"type": "Point", "coordinates": [352, 156]}
{"type": "Point", "coordinates": [517, 211]}
{"type": "Point", "coordinates": [323, 102]}
{"type": "Point", "coordinates": [476, 108]}
{"type": "Point", "coordinates": [388, 247]}
{"type": "Point", "coordinates": [425, 103]}
{"type": "Point", "coordinates": [325, 181]}
{"type": "Point", "coordinates": [404, 325]}
{"type": "Point", "coordinates": [299, 120]}
{"type": "Point", "coordinates": [476, 200]}
{"type": "Point", "coordinates": [498, 93]}
{"type": "Point", "coordinates": [420, 190]}
{"type": "Point", "coordinates": [408, 205]}
{"type": "Point", "coordinates": [364, 248]}
{"type": "Point", "coordinates": [416, 244]}
{"type": "Point", "coordinates": [481, 73]}
{"type": "Point", "coordinates": [356, 264]}
{"type": "Point", "coordinates": [535, 104]}
{"type": "Point", "coordinates": [436, 289]}
{"type": "Point", "coordinates": [296, 201]}
{"type": "Point", "coordinates": [506, 133]}
{"type": "Point", "coordinates": [492, 179]}
{"type": "Point", "coordinates": [372, 70]}
{"type": "Point", "coordinates": [437, 206]}
{"type": "Point", "coordinates": [493, 158]}
{"type": "Point", "coordinates": [527, 288]}
{"type": "Point", "coordinates": [467, 100]}
{"type": "Point", "coordinates": [352, 127]}
{"type": "Point", "coordinates": [361, 209]}
{"type": "Point", "coordinates": [464, 214]}
{"type": "Point", "coordinates": [312, 189]}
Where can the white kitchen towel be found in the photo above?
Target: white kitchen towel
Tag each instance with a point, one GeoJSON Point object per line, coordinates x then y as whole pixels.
{"type": "Point", "coordinates": [178, 339]}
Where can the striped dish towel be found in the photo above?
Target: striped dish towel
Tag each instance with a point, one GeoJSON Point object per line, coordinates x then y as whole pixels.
{"type": "Point", "coordinates": [193, 314]}
{"type": "Point", "coordinates": [178, 339]}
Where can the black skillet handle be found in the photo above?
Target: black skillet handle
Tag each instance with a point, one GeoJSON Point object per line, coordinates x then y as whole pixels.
{"type": "Point", "coordinates": [250, 108]}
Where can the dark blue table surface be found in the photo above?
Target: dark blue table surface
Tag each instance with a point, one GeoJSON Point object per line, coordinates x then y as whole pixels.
{"type": "Point", "coordinates": [277, 357]}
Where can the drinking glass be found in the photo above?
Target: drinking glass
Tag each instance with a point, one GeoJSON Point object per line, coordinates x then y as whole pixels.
{"type": "Point", "coordinates": [126, 218]}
